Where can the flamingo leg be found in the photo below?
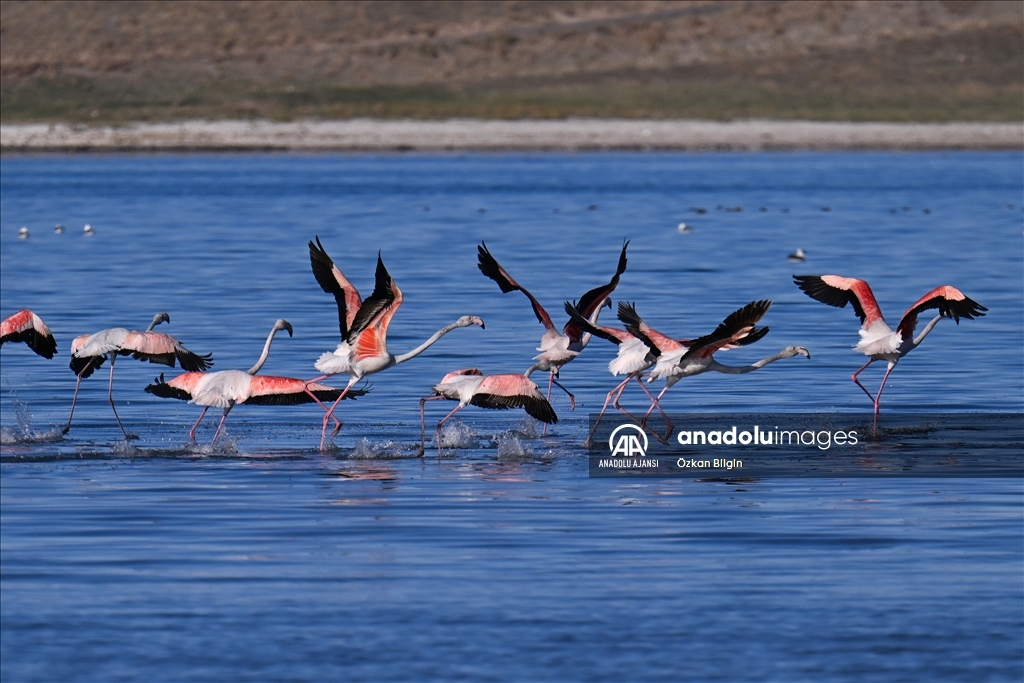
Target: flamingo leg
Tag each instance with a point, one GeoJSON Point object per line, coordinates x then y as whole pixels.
{"type": "Point", "coordinates": [192, 432]}
{"type": "Point", "coordinates": [878, 396]}
{"type": "Point", "coordinates": [74, 400]}
{"type": "Point", "coordinates": [320, 403]}
{"type": "Point", "coordinates": [110, 400]}
{"type": "Point", "coordinates": [221, 424]}
{"type": "Point", "coordinates": [572, 398]}
{"type": "Point", "coordinates": [423, 422]}
{"type": "Point", "coordinates": [620, 387]}
{"type": "Point", "coordinates": [455, 410]}
{"type": "Point", "coordinates": [656, 402]}
{"type": "Point", "coordinates": [857, 381]}
{"type": "Point", "coordinates": [330, 413]}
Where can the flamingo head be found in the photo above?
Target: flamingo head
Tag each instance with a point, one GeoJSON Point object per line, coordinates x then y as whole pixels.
{"type": "Point", "coordinates": [159, 318]}
{"type": "Point", "coordinates": [791, 351]}
{"type": "Point", "coordinates": [283, 324]}
{"type": "Point", "coordinates": [467, 320]}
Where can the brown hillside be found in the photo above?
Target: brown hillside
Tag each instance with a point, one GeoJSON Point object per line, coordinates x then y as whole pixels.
{"type": "Point", "coordinates": [116, 61]}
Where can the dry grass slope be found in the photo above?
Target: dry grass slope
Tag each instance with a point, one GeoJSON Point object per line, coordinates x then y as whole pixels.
{"type": "Point", "coordinates": [157, 61]}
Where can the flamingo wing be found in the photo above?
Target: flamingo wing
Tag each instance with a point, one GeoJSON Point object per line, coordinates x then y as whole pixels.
{"type": "Point", "coordinates": [25, 326]}
{"type": "Point", "coordinates": [157, 347]}
{"type": "Point", "coordinates": [951, 302]}
{"type": "Point", "coordinates": [332, 281]}
{"type": "Point", "coordinates": [492, 269]}
{"type": "Point", "coordinates": [657, 342]}
{"type": "Point", "coordinates": [838, 291]}
{"type": "Point", "coordinates": [583, 325]}
{"type": "Point", "coordinates": [267, 390]}
{"type": "Point", "coordinates": [182, 387]}
{"type": "Point", "coordinates": [593, 299]}
{"type": "Point", "coordinates": [377, 310]}
{"type": "Point", "coordinates": [502, 392]}
{"type": "Point", "coordinates": [738, 329]}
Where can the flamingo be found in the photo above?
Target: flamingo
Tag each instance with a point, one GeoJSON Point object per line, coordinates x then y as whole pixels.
{"type": "Point", "coordinates": [89, 351]}
{"type": "Point", "coordinates": [26, 326]}
{"type": "Point", "coordinates": [738, 329]}
{"type": "Point", "coordinates": [557, 348]}
{"type": "Point", "coordinates": [877, 340]}
{"type": "Point", "coordinates": [470, 386]}
{"type": "Point", "coordinates": [225, 388]}
{"type": "Point", "coordinates": [632, 359]}
{"type": "Point", "coordinates": [364, 326]}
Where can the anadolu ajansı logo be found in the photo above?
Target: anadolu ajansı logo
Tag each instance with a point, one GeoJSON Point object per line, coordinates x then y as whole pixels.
{"type": "Point", "coordinates": [627, 444]}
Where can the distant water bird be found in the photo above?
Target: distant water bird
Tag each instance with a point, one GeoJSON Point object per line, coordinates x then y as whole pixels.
{"type": "Point", "coordinates": [557, 348]}
{"type": "Point", "coordinates": [25, 326]}
{"type": "Point", "coordinates": [698, 209]}
{"type": "Point", "coordinates": [226, 388]}
{"type": "Point", "coordinates": [23, 233]}
{"type": "Point", "coordinates": [877, 340]}
{"type": "Point", "coordinates": [59, 229]}
{"type": "Point", "coordinates": [89, 351]}
{"type": "Point", "coordinates": [738, 329]}
{"type": "Point", "coordinates": [88, 231]}
{"type": "Point", "coordinates": [798, 256]}
{"type": "Point", "coordinates": [683, 228]}
{"type": "Point", "coordinates": [472, 387]}
{"type": "Point", "coordinates": [364, 325]}
{"type": "Point", "coordinates": [632, 359]}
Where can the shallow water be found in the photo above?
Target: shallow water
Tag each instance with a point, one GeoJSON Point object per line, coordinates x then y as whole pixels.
{"type": "Point", "coordinates": [263, 558]}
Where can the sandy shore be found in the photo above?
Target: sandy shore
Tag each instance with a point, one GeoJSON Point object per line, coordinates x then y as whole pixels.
{"type": "Point", "coordinates": [464, 134]}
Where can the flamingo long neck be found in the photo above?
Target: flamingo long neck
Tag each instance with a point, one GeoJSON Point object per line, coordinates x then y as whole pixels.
{"type": "Point", "coordinates": [927, 328]}
{"type": "Point", "coordinates": [427, 344]}
{"type": "Point", "coordinates": [157, 319]}
{"type": "Point", "coordinates": [742, 370]}
{"type": "Point", "coordinates": [266, 352]}
{"type": "Point", "coordinates": [585, 339]}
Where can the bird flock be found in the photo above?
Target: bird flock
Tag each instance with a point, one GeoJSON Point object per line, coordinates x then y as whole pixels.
{"type": "Point", "coordinates": [644, 354]}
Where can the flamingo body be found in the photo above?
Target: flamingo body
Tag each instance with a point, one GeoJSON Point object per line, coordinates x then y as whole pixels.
{"type": "Point", "coordinates": [25, 326]}
{"type": "Point", "coordinates": [556, 348]}
{"type": "Point", "coordinates": [363, 325]}
{"type": "Point", "coordinates": [738, 329]}
{"type": "Point", "coordinates": [499, 392]}
{"type": "Point", "coordinates": [227, 388]}
{"type": "Point", "coordinates": [90, 351]}
{"type": "Point", "coordinates": [878, 341]}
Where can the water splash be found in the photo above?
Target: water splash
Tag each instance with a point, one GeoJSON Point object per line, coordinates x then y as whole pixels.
{"type": "Point", "coordinates": [456, 434]}
{"type": "Point", "coordinates": [528, 428]}
{"type": "Point", "coordinates": [380, 450]}
{"type": "Point", "coordinates": [511, 447]}
{"type": "Point", "coordinates": [23, 432]}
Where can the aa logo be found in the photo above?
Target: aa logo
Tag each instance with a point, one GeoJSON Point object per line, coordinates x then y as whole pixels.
{"type": "Point", "coordinates": [625, 441]}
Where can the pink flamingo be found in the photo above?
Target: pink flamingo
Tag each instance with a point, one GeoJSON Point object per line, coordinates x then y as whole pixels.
{"type": "Point", "coordinates": [738, 329]}
{"type": "Point", "coordinates": [877, 340]}
{"type": "Point", "coordinates": [89, 351]}
{"type": "Point", "coordinates": [364, 326]}
{"type": "Point", "coordinates": [557, 348]}
{"type": "Point", "coordinates": [632, 359]}
{"type": "Point", "coordinates": [26, 326]}
{"type": "Point", "coordinates": [225, 388]}
{"type": "Point", "coordinates": [470, 386]}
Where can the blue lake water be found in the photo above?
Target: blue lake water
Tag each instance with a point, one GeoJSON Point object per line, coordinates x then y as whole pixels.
{"type": "Point", "coordinates": [265, 559]}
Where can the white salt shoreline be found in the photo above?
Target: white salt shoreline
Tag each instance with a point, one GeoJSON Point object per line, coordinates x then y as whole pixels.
{"type": "Point", "coordinates": [470, 134]}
